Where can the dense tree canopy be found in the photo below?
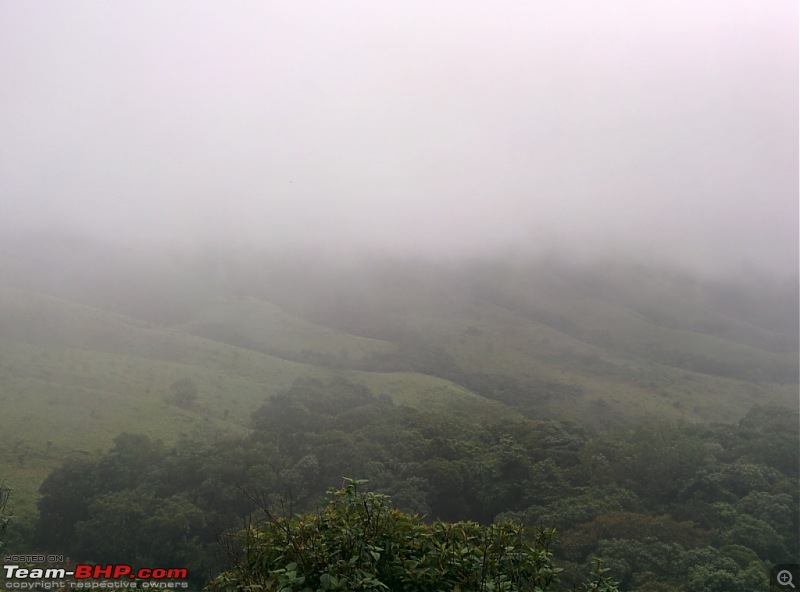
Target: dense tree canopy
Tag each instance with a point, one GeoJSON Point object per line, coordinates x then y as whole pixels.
{"type": "Point", "coordinates": [682, 507]}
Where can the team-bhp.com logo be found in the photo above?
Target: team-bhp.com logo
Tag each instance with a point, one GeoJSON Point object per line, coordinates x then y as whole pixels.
{"type": "Point", "coordinates": [87, 576]}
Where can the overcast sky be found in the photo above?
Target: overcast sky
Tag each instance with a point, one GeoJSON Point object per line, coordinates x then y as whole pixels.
{"type": "Point", "coordinates": [444, 127]}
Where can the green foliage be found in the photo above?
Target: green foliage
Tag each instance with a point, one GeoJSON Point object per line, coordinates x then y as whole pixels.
{"type": "Point", "coordinates": [145, 504]}
{"type": "Point", "coordinates": [760, 537]}
{"type": "Point", "coordinates": [5, 511]}
{"type": "Point", "coordinates": [64, 502]}
{"type": "Point", "coordinates": [710, 570]}
{"type": "Point", "coordinates": [643, 500]}
{"type": "Point", "coordinates": [357, 542]}
{"type": "Point", "coordinates": [580, 507]}
{"type": "Point", "coordinates": [599, 580]}
{"type": "Point", "coordinates": [583, 540]}
{"type": "Point", "coordinates": [653, 460]}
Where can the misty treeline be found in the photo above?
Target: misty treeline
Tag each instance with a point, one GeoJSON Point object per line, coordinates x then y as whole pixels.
{"type": "Point", "coordinates": [665, 506]}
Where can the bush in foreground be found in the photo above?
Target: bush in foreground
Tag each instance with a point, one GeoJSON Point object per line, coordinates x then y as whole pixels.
{"type": "Point", "coordinates": [357, 542]}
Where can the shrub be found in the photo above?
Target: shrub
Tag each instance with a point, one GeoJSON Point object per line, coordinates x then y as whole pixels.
{"type": "Point", "coordinates": [357, 542]}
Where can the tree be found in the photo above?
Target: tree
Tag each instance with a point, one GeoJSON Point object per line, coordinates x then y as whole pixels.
{"type": "Point", "coordinates": [709, 570]}
{"type": "Point", "coordinates": [64, 501]}
{"type": "Point", "coordinates": [5, 511]}
{"type": "Point", "coordinates": [145, 529]}
{"type": "Point", "coordinates": [357, 542]}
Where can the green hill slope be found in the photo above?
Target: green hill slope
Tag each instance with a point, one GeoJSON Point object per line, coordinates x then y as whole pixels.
{"type": "Point", "coordinates": [72, 377]}
{"type": "Point", "coordinates": [634, 343]}
{"type": "Point", "coordinates": [85, 359]}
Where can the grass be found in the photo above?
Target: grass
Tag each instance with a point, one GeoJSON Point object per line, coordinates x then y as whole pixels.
{"type": "Point", "coordinates": [262, 326]}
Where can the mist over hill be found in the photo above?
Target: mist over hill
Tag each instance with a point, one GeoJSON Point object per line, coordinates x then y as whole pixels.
{"type": "Point", "coordinates": [532, 308]}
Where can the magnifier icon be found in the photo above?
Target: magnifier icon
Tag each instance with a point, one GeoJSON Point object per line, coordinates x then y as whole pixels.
{"type": "Point", "coordinates": [784, 578]}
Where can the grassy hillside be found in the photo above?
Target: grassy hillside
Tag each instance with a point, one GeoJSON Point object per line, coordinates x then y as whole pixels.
{"type": "Point", "coordinates": [93, 350]}
{"type": "Point", "coordinates": [72, 377]}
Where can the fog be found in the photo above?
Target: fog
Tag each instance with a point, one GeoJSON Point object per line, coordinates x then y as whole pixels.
{"type": "Point", "coordinates": [665, 130]}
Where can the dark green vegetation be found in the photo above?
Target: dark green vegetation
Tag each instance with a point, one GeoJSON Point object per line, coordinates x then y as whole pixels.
{"type": "Point", "coordinates": [5, 512]}
{"type": "Point", "coordinates": [357, 542]}
{"type": "Point", "coordinates": [661, 504]}
{"type": "Point", "coordinates": [648, 415]}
